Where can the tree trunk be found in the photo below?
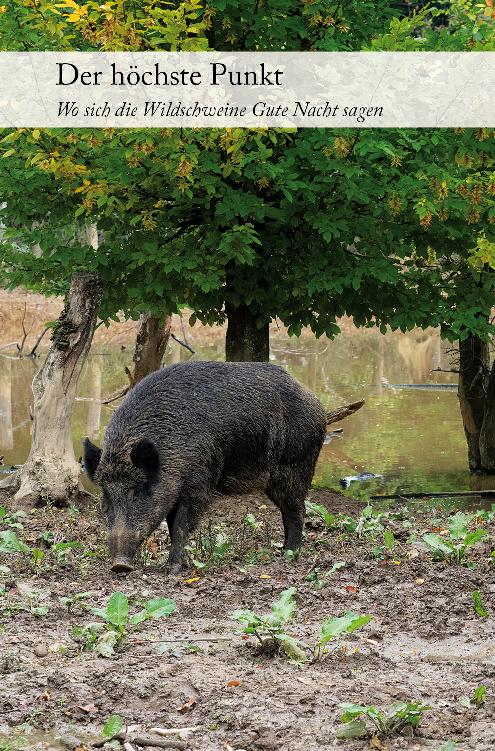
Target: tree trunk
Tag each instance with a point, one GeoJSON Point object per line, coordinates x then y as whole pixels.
{"type": "Point", "coordinates": [487, 435]}
{"type": "Point", "coordinates": [51, 470]}
{"type": "Point", "coordinates": [245, 341]}
{"type": "Point", "coordinates": [151, 343]}
{"type": "Point", "coordinates": [473, 370]}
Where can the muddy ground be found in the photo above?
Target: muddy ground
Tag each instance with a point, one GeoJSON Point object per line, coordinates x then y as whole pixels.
{"type": "Point", "coordinates": [194, 670]}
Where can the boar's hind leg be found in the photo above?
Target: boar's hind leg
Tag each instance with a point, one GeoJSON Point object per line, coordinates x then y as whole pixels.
{"type": "Point", "coordinates": [287, 489]}
{"type": "Point", "coordinates": [181, 522]}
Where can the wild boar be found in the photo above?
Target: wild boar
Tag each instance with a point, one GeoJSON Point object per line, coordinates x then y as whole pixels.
{"type": "Point", "coordinates": [192, 431]}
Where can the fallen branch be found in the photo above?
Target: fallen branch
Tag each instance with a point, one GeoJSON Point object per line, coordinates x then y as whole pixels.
{"type": "Point", "coordinates": [148, 740]}
{"type": "Point", "coordinates": [453, 494]}
{"type": "Point", "coordinates": [185, 640]}
{"type": "Point", "coordinates": [342, 412]}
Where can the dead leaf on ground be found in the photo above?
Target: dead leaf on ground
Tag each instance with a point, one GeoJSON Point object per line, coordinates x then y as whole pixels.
{"type": "Point", "coordinates": [88, 708]}
{"type": "Point", "coordinates": [375, 742]}
{"type": "Point", "coordinates": [352, 588]}
{"type": "Point", "coordinates": [188, 705]}
{"type": "Point", "coordinates": [233, 684]}
{"type": "Point", "coordinates": [152, 546]}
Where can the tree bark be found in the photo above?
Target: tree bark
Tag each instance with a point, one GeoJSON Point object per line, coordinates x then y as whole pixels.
{"type": "Point", "coordinates": [245, 341]}
{"type": "Point", "coordinates": [473, 374]}
{"type": "Point", "coordinates": [487, 435]}
{"type": "Point", "coordinates": [151, 343]}
{"type": "Point", "coordinates": [51, 470]}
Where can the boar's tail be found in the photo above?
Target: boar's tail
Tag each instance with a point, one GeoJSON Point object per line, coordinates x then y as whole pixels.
{"type": "Point", "coordinates": [339, 414]}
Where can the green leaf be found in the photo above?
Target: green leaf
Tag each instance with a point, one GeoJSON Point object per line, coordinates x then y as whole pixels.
{"type": "Point", "coordinates": [106, 643]}
{"type": "Point", "coordinates": [458, 525]}
{"type": "Point", "coordinates": [118, 609]}
{"type": "Point", "coordinates": [345, 625]}
{"type": "Point", "coordinates": [284, 608]}
{"type": "Point", "coordinates": [351, 711]}
{"type": "Point", "coordinates": [352, 729]}
{"type": "Point", "coordinates": [478, 606]}
{"type": "Point", "coordinates": [437, 544]}
{"type": "Point", "coordinates": [10, 543]}
{"type": "Point", "coordinates": [112, 726]}
{"type": "Point", "coordinates": [319, 510]}
{"type": "Point", "coordinates": [388, 539]}
{"type": "Point", "coordinates": [160, 607]}
{"type": "Point", "coordinates": [479, 695]}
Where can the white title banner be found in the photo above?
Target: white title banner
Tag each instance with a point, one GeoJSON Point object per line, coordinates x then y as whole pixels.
{"type": "Point", "coordinates": [248, 89]}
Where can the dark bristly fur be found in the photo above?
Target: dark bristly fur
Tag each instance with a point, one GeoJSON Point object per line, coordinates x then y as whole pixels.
{"type": "Point", "coordinates": [196, 429]}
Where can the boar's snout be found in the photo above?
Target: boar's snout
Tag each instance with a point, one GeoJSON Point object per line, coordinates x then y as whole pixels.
{"type": "Point", "coordinates": [122, 565]}
{"type": "Point", "coordinates": [123, 543]}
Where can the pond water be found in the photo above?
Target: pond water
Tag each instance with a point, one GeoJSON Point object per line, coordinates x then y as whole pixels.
{"type": "Point", "coordinates": [413, 437]}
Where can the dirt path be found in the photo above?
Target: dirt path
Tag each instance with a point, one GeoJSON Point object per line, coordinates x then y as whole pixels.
{"type": "Point", "coordinates": [424, 643]}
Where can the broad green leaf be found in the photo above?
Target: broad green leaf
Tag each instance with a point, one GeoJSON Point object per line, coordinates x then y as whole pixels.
{"type": "Point", "coordinates": [106, 643]}
{"type": "Point", "coordinates": [160, 607]}
{"type": "Point", "coordinates": [437, 544]}
{"type": "Point", "coordinates": [100, 612]}
{"type": "Point", "coordinates": [388, 539]}
{"type": "Point", "coordinates": [284, 608]}
{"type": "Point", "coordinates": [319, 510]}
{"type": "Point", "coordinates": [345, 625]}
{"type": "Point", "coordinates": [351, 711]}
{"type": "Point", "coordinates": [458, 525]}
{"type": "Point", "coordinates": [112, 726]}
{"type": "Point", "coordinates": [351, 729]}
{"type": "Point", "coordinates": [473, 537]}
{"type": "Point", "coordinates": [118, 609]}
{"type": "Point", "coordinates": [10, 543]}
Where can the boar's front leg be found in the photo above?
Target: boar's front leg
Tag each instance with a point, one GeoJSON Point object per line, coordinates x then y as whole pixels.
{"type": "Point", "coordinates": [181, 522]}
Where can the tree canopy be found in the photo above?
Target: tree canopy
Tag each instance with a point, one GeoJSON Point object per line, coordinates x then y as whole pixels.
{"type": "Point", "coordinates": [390, 226]}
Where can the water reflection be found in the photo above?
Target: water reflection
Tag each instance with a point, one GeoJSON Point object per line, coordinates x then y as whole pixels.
{"type": "Point", "coordinates": [412, 437]}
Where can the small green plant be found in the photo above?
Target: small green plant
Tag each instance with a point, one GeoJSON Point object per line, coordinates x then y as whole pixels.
{"type": "Point", "coordinates": [479, 695]}
{"type": "Point", "coordinates": [476, 700]}
{"type": "Point", "coordinates": [398, 716]}
{"type": "Point", "coordinates": [478, 606]}
{"type": "Point", "coordinates": [449, 746]}
{"type": "Point", "coordinates": [116, 623]}
{"type": "Point", "coordinates": [208, 548]}
{"type": "Point", "coordinates": [34, 602]}
{"type": "Point", "coordinates": [10, 543]}
{"type": "Point", "coordinates": [269, 629]}
{"type": "Point", "coordinates": [335, 627]}
{"type": "Point", "coordinates": [16, 744]}
{"type": "Point", "coordinates": [12, 520]}
{"type": "Point", "coordinates": [318, 579]}
{"type": "Point", "coordinates": [316, 509]}
{"type": "Point", "coordinates": [455, 547]}
{"type": "Point", "coordinates": [252, 522]}
{"type": "Point", "coordinates": [75, 601]}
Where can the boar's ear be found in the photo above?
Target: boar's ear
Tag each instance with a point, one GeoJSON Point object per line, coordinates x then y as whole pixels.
{"type": "Point", "coordinates": [145, 456]}
{"type": "Point", "coordinates": [92, 455]}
